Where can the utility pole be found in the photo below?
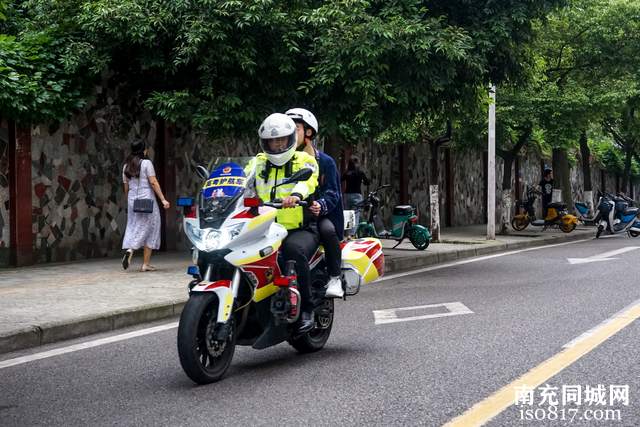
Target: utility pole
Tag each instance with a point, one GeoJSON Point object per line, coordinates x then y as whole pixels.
{"type": "Point", "coordinates": [491, 181]}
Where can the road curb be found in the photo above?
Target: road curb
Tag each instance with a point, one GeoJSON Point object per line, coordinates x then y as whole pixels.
{"type": "Point", "coordinates": [49, 333]}
{"type": "Point", "coordinates": [53, 332]}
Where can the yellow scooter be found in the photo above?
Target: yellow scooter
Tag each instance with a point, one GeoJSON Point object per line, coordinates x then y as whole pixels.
{"type": "Point", "coordinates": [556, 214]}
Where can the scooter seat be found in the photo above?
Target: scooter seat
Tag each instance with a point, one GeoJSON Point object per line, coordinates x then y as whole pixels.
{"type": "Point", "coordinates": [630, 211]}
{"type": "Point", "coordinates": [556, 205]}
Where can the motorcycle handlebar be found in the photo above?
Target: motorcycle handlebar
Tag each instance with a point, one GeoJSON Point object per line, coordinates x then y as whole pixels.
{"type": "Point", "coordinates": [278, 204]}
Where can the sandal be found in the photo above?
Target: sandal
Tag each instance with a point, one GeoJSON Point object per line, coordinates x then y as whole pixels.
{"type": "Point", "coordinates": [127, 259]}
{"type": "Point", "coordinates": [147, 268]}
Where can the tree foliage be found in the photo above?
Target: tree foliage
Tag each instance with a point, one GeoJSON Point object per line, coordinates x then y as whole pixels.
{"type": "Point", "coordinates": [35, 83]}
{"type": "Point", "coordinates": [224, 65]}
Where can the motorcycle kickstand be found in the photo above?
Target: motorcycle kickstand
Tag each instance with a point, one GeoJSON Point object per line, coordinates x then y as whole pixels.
{"type": "Point", "coordinates": [400, 241]}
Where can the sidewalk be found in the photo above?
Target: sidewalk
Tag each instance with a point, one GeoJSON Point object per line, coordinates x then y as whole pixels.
{"type": "Point", "coordinates": [54, 302]}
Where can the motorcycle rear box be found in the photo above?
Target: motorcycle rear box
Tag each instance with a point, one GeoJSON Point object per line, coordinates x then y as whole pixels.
{"type": "Point", "coordinates": [364, 256]}
{"type": "Point", "coordinates": [402, 210]}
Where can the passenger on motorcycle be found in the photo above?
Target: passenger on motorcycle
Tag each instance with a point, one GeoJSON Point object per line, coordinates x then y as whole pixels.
{"type": "Point", "coordinates": [278, 161]}
{"type": "Point", "coordinates": [328, 199]}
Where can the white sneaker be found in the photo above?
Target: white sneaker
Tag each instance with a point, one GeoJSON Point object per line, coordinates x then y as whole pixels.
{"type": "Point", "coordinates": [334, 288]}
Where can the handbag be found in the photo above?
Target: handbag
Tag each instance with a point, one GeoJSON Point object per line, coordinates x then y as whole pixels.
{"type": "Point", "coordinates": [142, 205]}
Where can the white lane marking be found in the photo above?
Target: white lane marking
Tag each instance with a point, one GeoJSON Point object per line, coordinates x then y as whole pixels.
{"type": "Point", "coordinates": [585, 335]}
{"type": "Point", "coordinates": [476, 259]}
{"type": "Point", "coordinates": [85, 345]}
{"type": "Point", "coordinates": [602, 257]}
{"type": "Point", "coordinates": [391, 315]}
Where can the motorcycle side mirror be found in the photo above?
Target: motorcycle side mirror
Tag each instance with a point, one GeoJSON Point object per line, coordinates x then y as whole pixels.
{"type": "Point", "coordinates": [302, 175]}
{"type": "Point", "coordinates": [202, 172]}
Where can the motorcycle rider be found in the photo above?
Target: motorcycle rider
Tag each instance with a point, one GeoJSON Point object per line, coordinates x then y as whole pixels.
{"type": "Point", "coordinates": [278, 161]}
{"type": "Point", "coordinates": [328, 201]}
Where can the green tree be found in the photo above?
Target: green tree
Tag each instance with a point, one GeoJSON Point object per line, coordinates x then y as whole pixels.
{"type": "Point", "coordinates": [224, 65]}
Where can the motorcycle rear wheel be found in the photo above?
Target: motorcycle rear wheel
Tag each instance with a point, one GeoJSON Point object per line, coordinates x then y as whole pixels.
{"type": "Point", "coordinates": [599, 232]}
{"type": "Point", "coordinates": [634, 233]}
{"type": "Point", "coordinates": [315, 339]}
{"type": "Point", "coordinates": [519, 224]}
{"type": "Point", "coordinates": [204, 359]}
{"type": "Point", "coordinates": [418, 239]}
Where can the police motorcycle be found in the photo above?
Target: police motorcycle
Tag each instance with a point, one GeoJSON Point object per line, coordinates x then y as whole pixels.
{"type": "Point", "coordinates": [243, 292]}
{"type": "Point", "coordinates": [617, 216]}
{"type": "Point", "coordinates": [404, 223]}
{"type": "Point", "coordinates": [556, 214]}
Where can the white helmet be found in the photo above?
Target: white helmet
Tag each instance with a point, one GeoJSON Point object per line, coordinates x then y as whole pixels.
{"type": "Point", "coordinates": [306, 117]}
{"type": "Point", "coordinates": [277, 126]}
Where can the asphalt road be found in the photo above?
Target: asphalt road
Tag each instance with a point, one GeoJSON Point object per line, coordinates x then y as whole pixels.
{"type": "Point", "coordinates": [514, 312]}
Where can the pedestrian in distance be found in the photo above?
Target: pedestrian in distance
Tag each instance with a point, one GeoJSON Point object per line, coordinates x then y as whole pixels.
{"type": "Point", "coordinates": [353, 192]}
{"type": "Point", "coordinates": [546, 188]}
{"type": "Point", "coordinates": [143, 229]}
{"type": "Point", "coordinates": [327, 204]}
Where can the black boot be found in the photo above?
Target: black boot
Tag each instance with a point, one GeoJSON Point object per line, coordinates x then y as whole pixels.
{"type": "Point", "coordinates": [304, 324]}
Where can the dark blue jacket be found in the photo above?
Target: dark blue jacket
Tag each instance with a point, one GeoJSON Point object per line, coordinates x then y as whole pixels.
{"type": "Point", "coordinates": [328, 193]}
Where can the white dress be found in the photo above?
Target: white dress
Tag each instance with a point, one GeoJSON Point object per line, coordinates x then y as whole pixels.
{"type": "Point", "coordinates": [143, 229]}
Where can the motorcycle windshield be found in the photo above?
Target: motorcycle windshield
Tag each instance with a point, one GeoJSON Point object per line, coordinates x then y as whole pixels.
{"type": "Point", "coordinates": [225, 181]}
{"type": "Point", "coordinates": [224, 189]}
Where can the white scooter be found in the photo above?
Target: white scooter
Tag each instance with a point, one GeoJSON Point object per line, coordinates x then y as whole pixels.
{"type": "Point", "coordinates": [617, 216]}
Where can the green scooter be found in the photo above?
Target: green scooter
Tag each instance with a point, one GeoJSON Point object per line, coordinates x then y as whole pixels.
{"type": "Point", "coordinates": [404, 223]}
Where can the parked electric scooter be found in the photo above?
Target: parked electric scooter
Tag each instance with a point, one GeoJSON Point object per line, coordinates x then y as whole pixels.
{"type": "Point", "coordinates": [404, 223]}
{"type": "Point", "coordinates": [617, 216]}
{"type": "Point", "coordinates": [582, 212]}
{"type": "Point", "coordinates": [556, 214]}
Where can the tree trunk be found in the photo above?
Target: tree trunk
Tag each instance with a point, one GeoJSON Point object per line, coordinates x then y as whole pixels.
{"type": "Point", "coordinates": [506, 196]}
{"type": "Point", "coordinates": [587, 195]}
{"type": "Point", "coordinates": [630, 147]}
{"type": "Point", "coordinates": [435, 212]}
{"type": "Point", "coordinates": [332, 147]}
{"type": "Point", "coordinates": [561, 182]}
{"type": "Point", "coordinates": [433, 191]}
{"type": "Point", "coordinates": [557, 182]}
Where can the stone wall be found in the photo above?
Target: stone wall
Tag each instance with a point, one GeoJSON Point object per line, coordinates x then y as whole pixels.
{"type": "Point", "coordinates": [79, 206]}
{"type": "Point", "coordinates": [78, 201]}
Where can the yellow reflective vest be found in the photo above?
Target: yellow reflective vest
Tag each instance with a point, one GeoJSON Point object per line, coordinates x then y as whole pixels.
{"type": "Point", "coordinates": [291, 218]}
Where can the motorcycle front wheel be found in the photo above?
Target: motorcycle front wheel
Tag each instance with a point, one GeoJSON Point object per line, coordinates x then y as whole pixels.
{"type": "Point", "coordinates": [204, 359]}
{"type": "Point", "coordinates": [519, 223]}
{"type": "Point", "coordinates": [634, 233]}
{"type": "Point", "coordinates": [567, 227]}
{"type": "Point", "coordinates": [599, 232]}
{"type": "Point", "coordinates": [418, 239]}
{"type": "Point", "coordinates": [315, 339]}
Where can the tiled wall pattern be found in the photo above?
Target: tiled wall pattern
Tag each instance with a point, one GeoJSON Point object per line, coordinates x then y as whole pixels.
{"type": "Point", "coordinates": [79, 205]}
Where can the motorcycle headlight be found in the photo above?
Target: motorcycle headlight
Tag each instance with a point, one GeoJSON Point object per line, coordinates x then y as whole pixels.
{"type": "Point", "coordinates": [209, 239]}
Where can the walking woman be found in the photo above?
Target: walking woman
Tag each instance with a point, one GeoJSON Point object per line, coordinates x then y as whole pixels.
{"type": "Point", "coordinates": [353, 193]}
{"type": "Point", "coordinates": [143, 229]}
